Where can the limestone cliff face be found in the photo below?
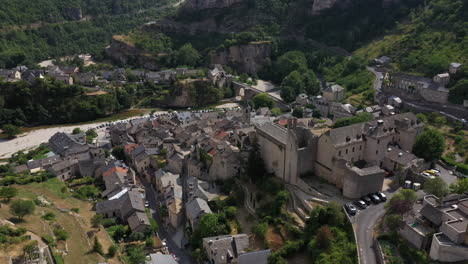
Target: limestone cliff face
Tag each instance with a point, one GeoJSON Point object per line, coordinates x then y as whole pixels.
{"type": "Point", "coordinates": [249, 58]}
{"type": "Point", "coordinates": [210, 4]}
{"type": "Point", "coordinates": [320, 5]}
{"type": "Point", "coordinates": [124, 52]}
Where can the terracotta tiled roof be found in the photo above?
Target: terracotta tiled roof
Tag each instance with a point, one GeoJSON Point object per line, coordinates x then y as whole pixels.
{"type": "Point", "coordinates": [114, 169]}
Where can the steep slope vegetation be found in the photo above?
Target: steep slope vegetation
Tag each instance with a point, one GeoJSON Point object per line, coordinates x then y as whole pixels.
{"type": "Point", "coordinates": [436, 35]}
{"type": "Point", "coordinates": [35, 30]}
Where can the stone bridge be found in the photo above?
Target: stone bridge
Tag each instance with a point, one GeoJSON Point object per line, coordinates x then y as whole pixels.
{"type": "Point", "coordinates": [246, 92]}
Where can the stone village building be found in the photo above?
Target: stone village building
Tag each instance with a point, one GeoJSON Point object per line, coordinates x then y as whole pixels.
{"type": "Point", "coordinates": [351, 157]}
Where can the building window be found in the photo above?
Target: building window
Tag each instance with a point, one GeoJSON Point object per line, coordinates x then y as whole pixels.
{"type": "Point", "coordinates": [360, 147]}
{"type": "Point", "coordinates": [339, 153]}
{"type": "Point", "coordinates": [346, 151]}
{"type": "Point", "coordinates": [353, 149]}
{"type": "Point", "coordinates": [378, 141]}
{"type": "Point", "coordinates": [376, 152]}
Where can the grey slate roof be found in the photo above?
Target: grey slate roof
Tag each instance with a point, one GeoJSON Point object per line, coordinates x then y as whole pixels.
{"type": "Point", "coordinates": [127, 204]}
{"type": "Point", "coordinates": [137, 219]}
{"type": "Point", "coordinates": [160, 258]}
{"type": "Point", "coordinates": [43, 162]}
{"type": "Point", "coordinates": [356, 131]}
{"type": "Point", "coordinates": [63, 143]}
{"type": "Point", "coordinates": [404, 158]}
{"type": "Point", "coordinates": [275, 131]}
{"type": "Point", "coordinates": [227, 246]}
{"type": "Point", "coordinates": [196, 207]}
{"type": "Point", "coordinates": [255, 257]}
{"type": "Point", "coordinates": [432, 214]}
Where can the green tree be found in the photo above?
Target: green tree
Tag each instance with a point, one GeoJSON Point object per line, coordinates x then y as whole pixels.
{"type": "Point", "coordinates": [429, 145]}
{"type": "Point", "coordinates": [298, 112]}
{"type": "Point", "coordinates": [136, 236]}
{"type": "Point", "coordinates": [96, 221]}
{"type": "Point", "coordinates": [460, 187]}
{"type": "Point", "coordinates": [287, 94]}
{"type": "Point", "coordinates": [231, 212]}
{"type": "Point", "coordinates": [394, 222]}
{"type": "Point", "coordinates": [311, 83]}
{"type": "Point", "coordinates": [295, 81]}
{"type": "Point", "coordinates": [187, 55]}
{"type": "Point", "coordinates": [275, 111]}
{"type": "Point", "coordinates": [76, 131]}
{"type": "Point", "coordinates": [324, 237]}
{"type": "Point", "coordinates": [347, 121]}
{"type": "Point", "coordinates": [10, 130]}
{"type": "Point", "coordinates": [422, 117]}
{"type": "Point", "coordinates": [112, 251]}
{"type": "Point", "coordinates": [22, 208]}
{"type": "Point", "coordinates": [97, 246]}
{"type": "Point", "coordinates": [436, 186]}
{"type": "Point", "coordinates": [290, 61]}
{"type": "Point", "coordinates": [256, 170]}
{"type": "Point", "coordinates": [8, 192]}
{"type": "Point", "coordinates": [263, 100]}
{"type": "Point", "coordinates": [280, 201]}
{"type": "Point", "coordinates": [402, 202]}
{"type": "Point", "coordinates": [136, 255]}
{"type": "Point", "coordinates": [61, 234]}
{"type": "Point", "coordinates": [118, 153]}
{"type": "Point", "coordinates": [118, 232]}
{"type": "Point", "coordinates": [212, 225]}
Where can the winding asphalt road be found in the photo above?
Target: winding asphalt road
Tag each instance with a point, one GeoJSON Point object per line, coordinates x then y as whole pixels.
{"type": "Point", "coordinates": [364, 224]}
{"type": "Point", "coordinates": [183, 256]}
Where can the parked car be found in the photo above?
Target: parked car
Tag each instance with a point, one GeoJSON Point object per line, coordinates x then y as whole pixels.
{"type": "Point", "coordinates": [374, 198]}
{"type": "Point", "coordinates": [351, 209]}
{"type": "Point", "coordinates": [382, 196]}
{"type": "Point", "coordinates": [146, 204]}
{"type": "Point", "coordinates": [360, 204]}
{"type": "Point", "coordinates": [367, 200]}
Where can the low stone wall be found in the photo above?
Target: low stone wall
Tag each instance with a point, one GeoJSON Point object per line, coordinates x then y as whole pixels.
{"type": "Point", "coordinates": [379, 255]}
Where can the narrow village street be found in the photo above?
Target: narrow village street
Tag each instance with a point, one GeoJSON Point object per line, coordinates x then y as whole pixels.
{"type": "Point", "coordinates": [164, 235]}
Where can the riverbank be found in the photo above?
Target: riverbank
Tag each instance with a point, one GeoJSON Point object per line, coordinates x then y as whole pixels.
{"type": "Point", "coordinates": [34, 136]}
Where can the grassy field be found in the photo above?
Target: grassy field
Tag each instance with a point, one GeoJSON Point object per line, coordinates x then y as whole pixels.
{"type": "Point", "coordinates": [78, 226]}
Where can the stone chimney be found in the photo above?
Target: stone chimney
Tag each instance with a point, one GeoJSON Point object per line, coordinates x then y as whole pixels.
{"type": "Point", "coordinates": [292, 123]}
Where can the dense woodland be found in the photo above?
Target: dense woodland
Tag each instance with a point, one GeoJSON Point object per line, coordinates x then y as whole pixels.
{"type": "Point", "coordinates": [51, 102]}
{"type": "Point", "coordinates": [20, 12]}
{"type": "Point", "coordinates": [33, 43]}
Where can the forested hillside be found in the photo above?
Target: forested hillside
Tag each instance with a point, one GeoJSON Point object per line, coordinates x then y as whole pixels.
{"type": "Point", "coordinates": [436, 35]}
{"type": "Point", "coordinates": [19, 12]}
{"type": "Point", "coordinates": [57, 36]}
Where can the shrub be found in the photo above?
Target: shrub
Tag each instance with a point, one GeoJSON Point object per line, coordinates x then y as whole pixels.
{"type": "Point", "coordinates": [60, 234]}
{"type": "Point", "coordinates": [49, 216]}
{"type": "Point", "coordinates": [49, 240]}
{"type": "Point", "coordinates": [112, 251]}
{"type": "Point", "coordinates": [75, 210]}
{"type": "Point", "coordinates": [260, 229]}
{"type": "Point", "coordinates": [108, 222]}
{"type": "Point", "coordinates": [230, 212]}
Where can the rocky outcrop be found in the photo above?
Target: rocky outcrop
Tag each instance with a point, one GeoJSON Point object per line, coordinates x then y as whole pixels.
{"type": "Point", "coordinates": [318, 6]}
{"type": "Point", "coordinates": [248, 58]}
{"type": "Point", "coordinates": [124, 52]}
{"type": "Point", "coordinates": [72, 13]}
{"type": "Point", "coordinates": [197, 5]}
